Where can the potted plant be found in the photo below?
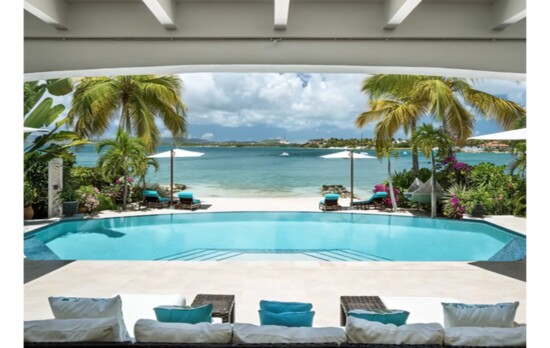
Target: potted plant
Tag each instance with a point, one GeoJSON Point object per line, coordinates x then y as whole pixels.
{"type": "Point", "coordinates": [29, 199]}
{"type": "Point", "coordinates": [68, 199]}
{"type": "Point", "coordinates": [88, 199]}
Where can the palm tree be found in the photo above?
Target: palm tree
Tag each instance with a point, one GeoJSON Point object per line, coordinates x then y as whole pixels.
{"type": "Point", "coordinates": [386, 151]}
{"type": "Point", "coordinates": [392, 113]}
{"type": "Point", "coordinates": [138, 100]}
{"type": "Point", "coordinates": [519, 150]}
{"type": "Point", "coordinates": [429, 140]}
{"type": "Point", "coordinates": [124, 157]}
{"type": "Point", "coordinates": [444, 98]}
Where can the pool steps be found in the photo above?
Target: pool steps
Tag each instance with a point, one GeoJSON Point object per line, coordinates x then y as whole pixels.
{"type": "Point", "coordinates": [227, 254]}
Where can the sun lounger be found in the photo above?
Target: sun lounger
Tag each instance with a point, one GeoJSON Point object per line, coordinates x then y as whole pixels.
{"type": "Point", "coordinates": [330, 202]}
{"type": "Point", "coordinates": [375, 201]}
{"type": "Point", "coordinates": [186, 201]}
{"type": "Point", "coordinates": [152, 199]}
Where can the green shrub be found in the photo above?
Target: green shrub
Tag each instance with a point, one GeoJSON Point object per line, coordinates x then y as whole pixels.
{"type": "Point", "coordinates": [106, 203]}
{"type": "Point", "coordinates": [88, 176]}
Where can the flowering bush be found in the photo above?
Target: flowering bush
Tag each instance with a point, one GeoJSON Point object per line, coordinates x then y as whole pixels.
{"type": "Point", "coordinates": [455, 210]}
{"type": "Point", "coordinates": [88, 196]}
{"type": "Point", "coordinates": [384, 188]}
{"type": "Point", "coordinates": [116, 190]}
{"type": "Point", "coordinates": [456, 200]}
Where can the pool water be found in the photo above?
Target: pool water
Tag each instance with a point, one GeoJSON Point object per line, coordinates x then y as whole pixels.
{"type": "Point", "coordinates": [236, 235]}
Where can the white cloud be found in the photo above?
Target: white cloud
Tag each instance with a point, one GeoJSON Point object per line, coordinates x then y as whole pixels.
{"type": "Point", "coordinates": [207, 136]}
{"type": "Point", "coordinates": [290, 101]}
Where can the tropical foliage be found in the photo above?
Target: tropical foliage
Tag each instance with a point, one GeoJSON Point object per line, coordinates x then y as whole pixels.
{"type": "Point", "coordinates": [55, 143]}
{"type": "Point", "coordinates": [123, 157]}
{"type": "Point", "coordinates": [386, 151]}
{"type": "Point", "coordinates": [429, 139]}
{"type": "Point", "coordinates": [137, 100]}
{"type": "Point", "coordinates": [399, 101]}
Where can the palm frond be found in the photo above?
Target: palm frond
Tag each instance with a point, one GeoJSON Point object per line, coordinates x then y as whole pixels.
{"type": "Point", "coordinates": [505, 112]}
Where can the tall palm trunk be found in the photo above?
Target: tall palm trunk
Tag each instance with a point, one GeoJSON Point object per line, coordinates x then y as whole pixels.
{"type": "Point", "coordinates": [392, 195]}
{"type": "Point", "coordinates": [434, 195]}
{"type": "Point", "coordinates": [414, 151]}
{"type": "Point", "coordinates": [415, 165]}
{"type": "Point", "coordinates": [125, 191]}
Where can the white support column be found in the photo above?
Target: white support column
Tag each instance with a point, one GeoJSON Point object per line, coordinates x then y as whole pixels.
{"type": "Point", "coordinates": [55, 184]}
{"type": "Point", "coordinates": [397, 10]}
{"type": "Point", "coordinates": [163, 10]}
{"type": "Point", "coordinates": [508, 12]}
{"type": "Point", "coordinates": [53, 12]}
{"type": "Point", "coordinates": [280, 19]}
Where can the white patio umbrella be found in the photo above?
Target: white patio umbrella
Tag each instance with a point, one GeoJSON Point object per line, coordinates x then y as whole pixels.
{"type": "Point", "coordinates": [516, 134]}
{"type": "Point", "coordinates": [351, 156]}
{"type": "Point", "coordinates": [171, 154]}
{"type": "Point", "coordinates": [30, 130]}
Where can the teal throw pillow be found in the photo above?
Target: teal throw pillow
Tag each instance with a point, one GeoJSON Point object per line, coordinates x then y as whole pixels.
{"type": "Point", "coordinates": [289, 319]}
{"type": "Point", "coordinates": [189, 315]}
{"type": "Point", "coordinates": [384, 316]}
{"type": "Point", "coordinates": [280, 307]}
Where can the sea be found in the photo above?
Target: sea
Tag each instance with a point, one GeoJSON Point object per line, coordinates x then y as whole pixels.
{"type": "Point", "coordinates": [278, 171]}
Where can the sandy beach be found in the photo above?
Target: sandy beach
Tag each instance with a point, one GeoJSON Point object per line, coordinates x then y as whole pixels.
{"type": "Point", "coordinates": [416, 286]}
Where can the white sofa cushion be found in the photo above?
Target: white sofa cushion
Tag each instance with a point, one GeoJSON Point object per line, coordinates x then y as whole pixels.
{"type": "Point", "coordinates": [147, 330]}
{"type": "Point", "coordinates": [85, 307]}
{"type": "Point", "coordinates": [249, 333]}
{"type": "Point", "coordinates": [75, 330]}
{"type": "Point", "coordinates": [365, 331]}
{"type": "Point", "coordinates": [481, 315]}
{"type": "Point", "coordinates": [486, 336]}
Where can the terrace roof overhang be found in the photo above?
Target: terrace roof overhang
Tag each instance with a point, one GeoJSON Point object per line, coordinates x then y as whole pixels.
{"type": "Point", "coordinates": [465, 38]}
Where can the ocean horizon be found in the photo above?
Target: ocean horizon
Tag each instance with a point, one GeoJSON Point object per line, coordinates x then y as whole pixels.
{"type": "Point", "coordinates": [262, 171]}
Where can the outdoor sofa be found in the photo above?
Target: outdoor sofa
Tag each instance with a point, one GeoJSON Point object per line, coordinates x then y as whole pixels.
{"type": "Point", "coordinates": [86, 332]}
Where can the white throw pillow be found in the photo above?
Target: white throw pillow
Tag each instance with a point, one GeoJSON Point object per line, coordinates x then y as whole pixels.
{"type": "Point", "coordinates": [365, 331]}
{"type": "Point", "coordinates": [482, 315]}
{"type": "Point", "coordinates": [74, 330]}
{"type": "Point", "coordinates": [84, 307]}
{"type": "Point", "coordinates": [249, 333]}
{"type": "Point", "coordinates": [486, 336]}
{"type": "Point", "coordinates": [147, 330]}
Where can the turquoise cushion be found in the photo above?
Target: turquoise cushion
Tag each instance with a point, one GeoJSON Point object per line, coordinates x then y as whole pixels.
{"type": "Point", "coordinates": [189, 315]}
{"type": "Point", "coordinates": [280, 307]}
{"type": "Point", "coordinates": [163, 199]}
{"type": "Point", "coordinates": [332, 196]}
{"type": "Point", "coordinates": [147, 193]}
{"type": "Point", "coordinates": [185, 195]}
{"type": "Point", "coordinates": [196, 201]}
{"type": "Point", "coordinates": [290, 319]}
{"type": "Point", "coordinates": [380, 194]}
{"type": "Point", "coordinates": [384, 316]}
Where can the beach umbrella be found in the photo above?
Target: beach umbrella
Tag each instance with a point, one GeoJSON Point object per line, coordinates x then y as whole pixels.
{"type": "Point", "coordinates": [351, 156]}
{"type": "Point", "coordinates": [173, 153]}
{"type": "Point", "coordinates": [516, 134]}
{"type": "Point", "coordinates": [30, 130]}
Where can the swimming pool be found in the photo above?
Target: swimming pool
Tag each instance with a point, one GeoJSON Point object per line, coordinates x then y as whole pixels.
{"type": "Point", "coordinates": [274, 235]}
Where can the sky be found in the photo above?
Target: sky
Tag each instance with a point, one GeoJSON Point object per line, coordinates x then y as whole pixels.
{"type": "Point", "coordinates": [292, 106]}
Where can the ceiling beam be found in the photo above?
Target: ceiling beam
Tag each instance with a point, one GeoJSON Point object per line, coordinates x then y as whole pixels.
{"type": "Point", "coordinates": [163, 10]}
{"type": "Point", "coordinates": [281, 14]}
{"type": "Point", "coordinates": [49, 11]}
{"type": "Point", "coordinates": [508, 12]}
{"type": "Point", "coordinates": [397, 10]}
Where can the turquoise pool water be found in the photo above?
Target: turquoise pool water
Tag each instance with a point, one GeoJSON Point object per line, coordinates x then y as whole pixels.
{"type": "Point", "coordinates": [315, 236]}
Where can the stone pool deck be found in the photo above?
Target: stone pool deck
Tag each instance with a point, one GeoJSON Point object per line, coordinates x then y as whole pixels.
{"type": "Point", "coordinates": [418, 286]}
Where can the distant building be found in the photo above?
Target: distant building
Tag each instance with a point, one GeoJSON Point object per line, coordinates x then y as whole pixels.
{"type": "Point", "coordinates": [495, 145]}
